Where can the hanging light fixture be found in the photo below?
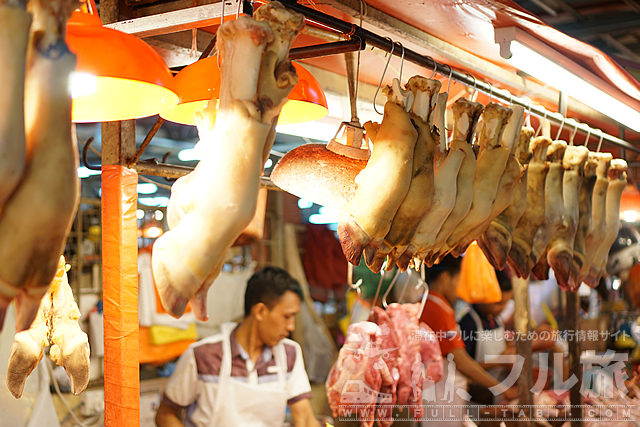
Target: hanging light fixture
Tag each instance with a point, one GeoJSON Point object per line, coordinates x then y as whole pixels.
{"type": "Point", "coordinates": [325, 173]}
{"type": "Point", "coordinates": [118, 76]}
{"type": "Point", "coordinates": [199, 82]}
{"type": "Point", "coordinates": [630, 203]}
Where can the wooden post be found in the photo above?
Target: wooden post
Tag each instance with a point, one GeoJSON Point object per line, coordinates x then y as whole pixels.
{"type": "Point", "coordinates": [120, 278]}
{"type": "Point", "coordinates": [523, 346]}
{"type": "Point", "coordinates": [575, 368]}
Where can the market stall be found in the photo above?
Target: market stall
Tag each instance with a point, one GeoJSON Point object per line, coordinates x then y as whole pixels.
{"type": "Point", "coordinates": [408, 192]}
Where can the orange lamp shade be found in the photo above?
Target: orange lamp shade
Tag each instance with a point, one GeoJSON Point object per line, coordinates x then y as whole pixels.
{"type": "Point", "coordinates": [630, 203]}
{"type": "Point", "coordinates": [118, 76]}
{"type": "Point", "coordinates": [199, 82]}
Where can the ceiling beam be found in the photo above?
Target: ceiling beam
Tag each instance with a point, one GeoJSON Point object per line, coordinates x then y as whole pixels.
{"type": "Point", "coordinates": [604, 24]}
{"type": "Point", "coordinates": [177, 20]}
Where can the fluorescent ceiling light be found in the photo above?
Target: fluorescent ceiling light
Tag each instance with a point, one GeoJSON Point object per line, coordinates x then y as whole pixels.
{"type": "Point", "coordinates": [154, 201]}
{"type": "Point", "coordinates": [528, 59]}
{"type": "Point", "coordinates": [147, 188]}
{"type": "Point", "coordinates": [84, 172]}
{"type": "Point", "coordinates": [188, 155]}
{"type": "Point", "coordinates": [312, 130]}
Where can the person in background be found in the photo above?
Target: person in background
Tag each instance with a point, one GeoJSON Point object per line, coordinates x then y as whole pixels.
{"type": "Point", "coordinates": [249, 373]}
{"type": "Point", "coordinates": [482, 331]}
{"type": "Point", "coordinates": [439, 314]}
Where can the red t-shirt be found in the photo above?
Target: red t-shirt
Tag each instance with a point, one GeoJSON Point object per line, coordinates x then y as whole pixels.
{"type": "Point", "coordinates": [439, 316]}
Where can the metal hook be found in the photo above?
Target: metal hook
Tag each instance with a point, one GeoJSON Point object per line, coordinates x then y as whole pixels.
{"type": "Point", "coordinates": [475, 89]}
{"type": "Point", "coordinates": [393, 45]}
{"type": "Point", "coordinates": [435, 67]}
{"type": "Point", "coordinates": [490, 92]}
{"type": "Point", "coordinates": [544, 118]}
{"type": "Point", "coordinates": [393, 282]}
{"type": "Point", "coordinates": [560, 128]}
{"type": "Point", "coordinates": [355, 286]}
{"type": "Point", "coordinates": [401, 61]}
{"type": "Point", "coordinates": [422, 282]}
{"type": "Point", "coordinates": [85, 149]}
{"type": "Point", "coordinates": [573, 134]}
{"type": "Point", "coordinates": [586, 141]}
{"type": "Point", "coordinates": [528, 119]}
{"type": "Point", "coordinates": [450, 74]}
{"type": "Point", "coordinates": [373, 303]}
{"type": "Point", "coordinates": [409, 271]}
{"type": "Point", "coordinates": [600, 142]}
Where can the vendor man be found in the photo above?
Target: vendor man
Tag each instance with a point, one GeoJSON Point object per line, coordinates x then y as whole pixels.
{"type": "Point", "coordinates": [249, 373]}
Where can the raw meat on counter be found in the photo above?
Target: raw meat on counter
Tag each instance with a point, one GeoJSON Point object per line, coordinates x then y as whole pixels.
{"type": "Point", "coordinates": [358, 374]}
{"type": "Point", "coordinates": [389, 345]}
{"type": "Point", "coordinates": [56, 323]}
{"type": "Point", "coordinates": [431, 353]}
{"type": "Point", "coordinates": [212, 205]}
{"type": "Point", "coordinates": [405, 322]}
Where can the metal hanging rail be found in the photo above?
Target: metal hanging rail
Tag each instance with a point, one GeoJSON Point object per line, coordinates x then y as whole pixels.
{"type": "Point", "coordinates": [504, 95]}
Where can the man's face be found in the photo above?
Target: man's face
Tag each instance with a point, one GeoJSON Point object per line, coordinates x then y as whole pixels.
{"type": "Point", "coordinates": [278, 322]}
{"type": "Point", "coordinates": [450, 291]}
{"type": "Point", "coordinates": [494, 309]}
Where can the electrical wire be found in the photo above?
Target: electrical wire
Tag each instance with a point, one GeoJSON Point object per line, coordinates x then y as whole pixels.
{"type": "Point", "coordinates": [100, 421]}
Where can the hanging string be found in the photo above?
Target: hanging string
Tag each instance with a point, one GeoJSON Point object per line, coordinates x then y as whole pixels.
{"type": "Point", "coordinates": [393, 45]}
{"type": "Point", "coordinates": [450, 74]}
{"type": "Point", "coordinates": [401, 62]}
{"type": "Point", "coordinates": [573, 134]}
{"type": "Point", "coordinates": [600, 142]}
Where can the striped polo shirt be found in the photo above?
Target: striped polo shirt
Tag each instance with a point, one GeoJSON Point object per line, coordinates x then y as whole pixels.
{"type": "Point", "coordinates": [193, 385]}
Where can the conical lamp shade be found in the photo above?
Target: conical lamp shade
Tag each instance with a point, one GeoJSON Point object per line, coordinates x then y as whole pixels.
{"type": "Point", "coordinates": [118, 76]}
{"type": "Point", "coordinates": [200, 82]}
{"type": "Point", "coordinates": [630, 203]}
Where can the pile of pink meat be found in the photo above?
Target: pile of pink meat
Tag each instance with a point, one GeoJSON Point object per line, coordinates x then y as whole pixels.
{"type": "Point", "coordinates": [383, 364]}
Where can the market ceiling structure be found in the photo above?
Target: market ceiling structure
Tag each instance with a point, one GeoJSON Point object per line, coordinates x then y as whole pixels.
{"type": "Point", "coordinates": [454, 32]}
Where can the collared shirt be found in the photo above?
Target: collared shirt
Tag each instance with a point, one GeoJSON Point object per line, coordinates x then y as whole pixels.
{"type": "Point", "coordinates": [199, 366]}
{"type": "Point", "coordinates": [439, 316]}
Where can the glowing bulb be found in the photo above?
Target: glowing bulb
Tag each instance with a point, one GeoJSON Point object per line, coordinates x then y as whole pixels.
{"type": "Point", "coordinates": [139, 214]}
{"type": "Point", "coordinates": [615, 284]}
{"type": "Point", "coordinates": [268, 163]}
{"type": "Point", "coordinates": [83, 84]}
{"type": "Point", "coordinates": [158, 215]}
{"type": "Point", "coordinates": [630, 216]}
{"type": "Point", "coordinates": [153, 232]}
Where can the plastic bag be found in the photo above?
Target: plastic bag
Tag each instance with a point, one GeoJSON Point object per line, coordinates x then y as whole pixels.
{"type": "Point", "coordinates": [478, 282]}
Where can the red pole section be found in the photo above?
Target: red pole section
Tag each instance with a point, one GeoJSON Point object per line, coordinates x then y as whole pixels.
{"type": "Point", "coordinates": [120, 294]}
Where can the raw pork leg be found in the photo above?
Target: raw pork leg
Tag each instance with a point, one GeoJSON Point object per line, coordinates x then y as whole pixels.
{"type": "Point", "coordinates": [598, 212]}
{"type": "Point", "coordinates": [511, 176]}
{"type": "Point", "coordinates": [553, 211]}
{"type": "Point", "coordinates": [533, 216]}
{"type": "Point", "coordinates": [445, 183]}
{"type": "Point", "coordinates": [218, 199]}
{"type": "Point", "coordinates": [37, 217]}
{"type": "Point", "coordinates": [496, 240]}
{"type": "Point", "coordinates": [383, 183]}
{"type": "Point", "coordinates": [584, 220]}
{"type": "Point", "coordinates": [560, 250]}
{"type": "Point", "coordinates": [492, 161]}
{"type": "Point", "coordinates": [617, 182]}
{"type": "Point", "coordinates": [418, 200]}
{"type": "Point", "coordinates": [405, 322]}
{"type": "Point", "coordinates": [463, 132]}
{"type": "Point", "coordinates": [56, 322]}
{"type": "Point", "coordinates": [14, 36]}
{"type": "Point", "coordinates": [355, 378]}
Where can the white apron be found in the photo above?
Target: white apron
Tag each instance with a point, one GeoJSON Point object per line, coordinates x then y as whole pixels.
{"type": "Point", "coordinates": [489, 345]}
{"type": "Point", "coordinates": [239, 403]}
